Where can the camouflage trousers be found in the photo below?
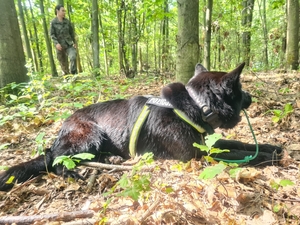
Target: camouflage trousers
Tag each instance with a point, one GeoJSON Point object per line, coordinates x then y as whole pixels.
{"type": "Point", "coordinates": [62, 57]}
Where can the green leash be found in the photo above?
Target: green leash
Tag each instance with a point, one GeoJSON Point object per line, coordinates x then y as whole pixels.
{"type": "Point", "coordinates": [247, 158]}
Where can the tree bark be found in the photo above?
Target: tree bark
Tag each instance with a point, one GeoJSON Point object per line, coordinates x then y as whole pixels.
{"type": "Point", "coordinates": [208, 14]}
{"type": "Point", "coordinates": [48, 43]}
{"type": "Point", "coordinates": [36, 38]}
{"type": "Point", "coordinates": [12, 58]}
{"type": "Point", "coordinates": [106, 63]}
{"type": "Point", "coordinates": [24, 29]}
{"type": "Point", "coordinates": [95, 37]}
{"type": "Point", "coordinates": [187, 39]}
{"type": "Point", "coordinates": [292, 47]}
{"type": "Point", "coordinates": [247, 15]}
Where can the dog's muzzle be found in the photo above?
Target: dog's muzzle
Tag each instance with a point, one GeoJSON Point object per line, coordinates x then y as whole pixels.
{"type": "Point", "coordinates": [247, 100]}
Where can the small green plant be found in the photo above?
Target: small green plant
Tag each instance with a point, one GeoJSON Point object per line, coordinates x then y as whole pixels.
{"type": "Point", "coordinates": [70, 161]}
{"type": "Point", "coordinates": [279, 115]}
{"type": "Point", "coordinates": [210, 140]}
{"type": "Point", "coordinates": [284, 90]}
{"type": "Point", "coordinates": [211, 171]}
{"type": "Point", "coordinates": [282, 183]}
{"type": "Point", "coordinates": [136, 183]}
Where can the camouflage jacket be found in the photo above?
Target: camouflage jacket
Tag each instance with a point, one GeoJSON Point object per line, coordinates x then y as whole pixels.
{"type": "Point", "coordinates": [62, 32]}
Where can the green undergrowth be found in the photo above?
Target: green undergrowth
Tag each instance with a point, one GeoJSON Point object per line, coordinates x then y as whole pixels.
{"type": "Point", "coordinates": [46, 99]}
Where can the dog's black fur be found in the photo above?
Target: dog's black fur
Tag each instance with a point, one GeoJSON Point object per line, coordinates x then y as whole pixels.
{"type": "Point", "coordinates": [106, 127]}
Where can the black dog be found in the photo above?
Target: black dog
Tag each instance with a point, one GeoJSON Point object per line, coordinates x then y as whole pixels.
{"type": "Point", "coordinates": [167, 126]}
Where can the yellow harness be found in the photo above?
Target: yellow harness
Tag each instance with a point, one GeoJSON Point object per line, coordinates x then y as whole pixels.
{"type": "Point", "coordinates": [142, 118]}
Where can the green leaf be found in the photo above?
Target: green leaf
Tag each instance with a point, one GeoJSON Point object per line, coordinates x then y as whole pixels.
{"type": "Point", "coordinates": [276, 208]}
{"type": "Point", "coordinates": [277, 112]}
{"type": "Point", "coordinates": [203, 148]}
{"type": "Point", "coordinates": [288, 108]}
{"type": "Point", "coordinates": [217, 150]}
{"type": "Point", "coordinates": [210, 140]}
{"type": "Point", "coordinates": [169, 190]}
{"type": "Point", "coordinates": [286, 182]}
{"type": "Point", "coordinates": [233, 172]}
{"type": "Point", "coordinates": [88, 156]}
{"type": "Point", "coordinates": [59, 159]}
{"type": "Point", "coordinates": [69, 164]}
{"type": "Point", "coordinates": [4, 146]}
{"type": "Point", "coordinates": [40, 137]}
{"type": "Point", "coordinates": [123, 182]}
{"type": "Point", "coordinates": [13, 97]}
{"type": "Point", "coordinates": [4, 168]}
{"type": "Point", "coordinates": [212, 171]}
{"type": "Point", "coordinates": [275, 119]}
{"type": "Point", "coordinates": [274, 185]}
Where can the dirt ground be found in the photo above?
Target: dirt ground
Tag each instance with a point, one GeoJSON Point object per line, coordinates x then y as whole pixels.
{"type": "Point", "coordinates": [175, 193]}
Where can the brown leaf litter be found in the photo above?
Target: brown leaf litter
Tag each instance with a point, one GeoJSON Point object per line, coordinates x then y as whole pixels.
{"type": "Point", "coordinates": [176, 195]}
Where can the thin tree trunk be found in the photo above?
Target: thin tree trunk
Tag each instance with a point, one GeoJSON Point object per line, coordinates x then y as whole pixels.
{"type": "Point", "coordinates": [292, 47]}
{"type": "Point", "coordinates": [24, 29]}
{"type": "Point", "coordinates": [60, 2]}
{"type": "Point", "coordinates": [263, 16]}
{"type": "Point", "coordinates": [187, 39]}
{"type": "Point", "coordinates": [120, 36]}
{"type": "Point", "coordinates": [207, 42]}
{"type": "Point", "coordinates": [106, 63]}
{"type": "Point", "coordinates": [95, 37]}
{"type": "Point", "coordinates": [36, 39]}
{"type": "Point", "coordinates": [134, 40]}
{"type": "Point", "coordinates": [165, 37]}
{"type": "Point", "coordinates": [47, 40]}
{"type": "Point", "coordinates": [247, 22]}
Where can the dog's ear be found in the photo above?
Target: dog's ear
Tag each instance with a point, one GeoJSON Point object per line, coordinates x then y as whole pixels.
{"type": "Point", "coordinates": [199, 68]}
{"type": "Point", "coordinates": [173, 90]}
{"type": "Point", "coordinates": [234, 75]}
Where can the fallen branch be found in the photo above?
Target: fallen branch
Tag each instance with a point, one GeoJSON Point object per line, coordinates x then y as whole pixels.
{"type": "Point", "coordinates": [106, 166]}
{"type": "Point", "coordinates": [65, 216]}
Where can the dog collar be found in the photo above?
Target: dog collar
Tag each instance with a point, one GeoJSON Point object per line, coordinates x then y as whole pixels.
{"type": "Point", "coordinates": [208, 115]}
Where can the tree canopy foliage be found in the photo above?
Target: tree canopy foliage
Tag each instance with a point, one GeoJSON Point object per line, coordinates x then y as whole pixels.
{"type": "Point", "coordinates": [148, 29]}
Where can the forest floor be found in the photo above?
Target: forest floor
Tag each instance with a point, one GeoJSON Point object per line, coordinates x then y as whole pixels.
{"type": "Point", "coordinates": [175, 193]}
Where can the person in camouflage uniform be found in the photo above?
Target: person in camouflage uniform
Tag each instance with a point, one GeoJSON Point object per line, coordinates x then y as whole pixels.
{"type": "Point", "coordinates": [63, 37]}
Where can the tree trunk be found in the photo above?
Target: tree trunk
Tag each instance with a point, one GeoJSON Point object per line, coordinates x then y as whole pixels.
{"type": "Point", "coordinates": [106, 63]}
{"type": "Point", "coordinates": [292, 48]}
{"type": "Point", "coordinates": [36, 39]}
{"type": "Point", "coordinates": [263, 16]}
{"type": "Point", "coordinates": [95, 37]}
{"type": "Point", "coordinates": [247, 15]}
{"type": "Point", "coordinates": [47, 40]}
{"type": "Point", "coordinates": [165, 37]}
{"type": "Point", "coordinates": [208, 14]}
{"type": "Point", "coordinates": [12, 58]}
{"type": "Point", "coordinates": [60, 2]}
{"type": "Point", "coordinates": [134, 40]}
{"type": "Point", "coordinates": [187, 39]}
{"type": "Point", "coordinates": [120, 6]}
{"type": "Point", "coordinates": [24, 29]}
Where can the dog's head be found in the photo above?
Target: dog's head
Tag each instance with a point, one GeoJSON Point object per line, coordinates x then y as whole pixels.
{"type": "Point", "coordinates": [221, 92]}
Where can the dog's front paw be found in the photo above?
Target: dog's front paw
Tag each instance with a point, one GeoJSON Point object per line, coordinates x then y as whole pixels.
{"type": "Point", "coordinates": [270, 148]}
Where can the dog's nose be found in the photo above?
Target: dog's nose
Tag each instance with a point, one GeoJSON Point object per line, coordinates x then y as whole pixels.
{"type": "Point", "coordinates": [247, 100]}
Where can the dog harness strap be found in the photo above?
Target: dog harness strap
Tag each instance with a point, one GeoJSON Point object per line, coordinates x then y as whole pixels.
{"type": "Point", "coordinates": [137, 129]}
{"type": "Point", "coordinates": [143, 116]}
{"type": "Point", "coordinates": [185, 118]}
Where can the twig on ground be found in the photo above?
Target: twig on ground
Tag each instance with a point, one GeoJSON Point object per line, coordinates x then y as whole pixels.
{"type": "Point", "coordinates": [91, 181]}
{"type": "Point", "coordinates": [106, 166]}
{"type": "Point", "coordinates": [65, 216]}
